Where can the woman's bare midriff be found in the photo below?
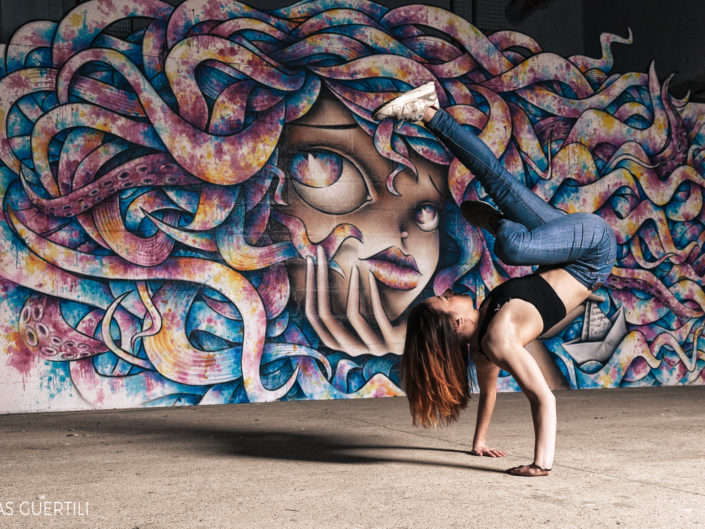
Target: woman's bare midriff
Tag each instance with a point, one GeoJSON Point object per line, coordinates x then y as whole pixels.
{"type": "Point", "coordinates": [569, 289]}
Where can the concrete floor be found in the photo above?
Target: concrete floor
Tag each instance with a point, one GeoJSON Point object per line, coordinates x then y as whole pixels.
{"type": "Point", "coordinates": [626, 459]}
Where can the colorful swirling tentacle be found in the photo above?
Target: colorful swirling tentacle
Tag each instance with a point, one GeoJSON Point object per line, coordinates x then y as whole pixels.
{"type": "Point", "coordinates": [481, 48]}
{"type": "Point", "coordinates": [134, 389]}
{"type": "Point", "coordinates": [155, 317]}
{"type": "Point", "coordinates": [596, 126]}
{"type": "Point", "coordinates": [13, 87]}
{"type": "Point", "coordinates": [605, 62]}
{"type": "Point", "coordinates": [107, 337]}
{"type": "Point", "coordinates": [80, 26]}
{"type": "Point", "coordinates": [145, 251]}
{"type": "Point", "coordinates": [179, 136]}
{"type": "Point", "coordinates": [242, 256]}
{"type": "Point", "coordinates": [645, 281]}
{"type": "Point", "coordinates": [44, 330]}
{"type": "Point", "coordinates": [154, 169]}
{"type": "Point", "coordinates": [192, 12]}
{"type": "Point", "coordinates": [27, 40]}
{"type": "Point", "coordinates": [219, 277]}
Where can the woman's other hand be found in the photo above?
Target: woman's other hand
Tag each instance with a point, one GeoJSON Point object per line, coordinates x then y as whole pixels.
{"type": "Point", "coordinates": [486, 451]}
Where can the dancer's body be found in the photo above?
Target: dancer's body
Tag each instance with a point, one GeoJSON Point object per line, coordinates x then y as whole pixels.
{"type": "Point", "coordinates": [575, 254]}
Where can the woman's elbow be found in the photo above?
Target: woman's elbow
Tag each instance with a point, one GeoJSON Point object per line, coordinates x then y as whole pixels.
{"type": "Point", "coordinates": [544, 400]}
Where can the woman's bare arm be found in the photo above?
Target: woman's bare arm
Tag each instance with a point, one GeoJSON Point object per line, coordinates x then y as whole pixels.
{"type": "Point", "coordinates": [487, 373]}
{"type": "Point", "coordinates": [517, 323]}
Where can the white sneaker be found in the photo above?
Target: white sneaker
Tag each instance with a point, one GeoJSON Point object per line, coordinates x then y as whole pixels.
{"type": "Point", "coordinates": [409, 106]}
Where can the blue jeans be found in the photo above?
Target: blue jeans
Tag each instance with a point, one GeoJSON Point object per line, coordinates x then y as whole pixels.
{"type": "Point", "coordinates": [532, 231]}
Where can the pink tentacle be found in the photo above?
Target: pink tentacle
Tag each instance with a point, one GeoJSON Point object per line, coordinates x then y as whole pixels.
{"type": "Point", "coordinates": [597, 126]}
{"type": "Point", "coordinates": [128, 390]}
{"type": "Point", "coordinates": [645, 281]}
{"type": "Point", "coordinates": [512, 39]}
{"type": "Point", "coordinates": [407, 70]}
{"type": "Point", "coordinates": [481, 48]}
{"type": "Point", "coordinates": [194, 239]}
{"type": "Point", "coordinates": [330, 17]}
{"type": "Point", "coordinates": [541, 67]}
{"type": "Point", "coordinates": [154, 48]}
{"type": "Point", "coordinates": [192, 12]}
{"type": "Point", "coordinates": [245, 157]}
{"type": "Point", "coordinates": [73, 115]}
{"type": "Point", "coordinates": [626, 228]}
{"type": "Point", "coordinates": [155, 318]}
{"type": "Point", "coordinates": [78, 28]}
{"type": "Point", "coordinates": [153, 169]}
{"type": "Point", "coordinates": [142, 204]}
{"type": "Point", "coordinates": [107, 96]}
{"type": "Point", "coordinates": [184, 57]}
{"type": "Point", "coordinates": [214, 206]}
{"type": "Point", "coordinates": [498, 129]}
{"type": "Point", "coordinates": [47, 334]}
{"type": "Point", "coordinates": [525, 135]}
{"type": "Point", "coordinates": [27, 38]}
{"type": "Point", "coordinates": [229, 108]}
{"type": "Point", "coordinates": [605, 62]}
{"type": "Point", "coordinates": [108, 339]}
{"type": "Point", "coordinates": [13, 87]}
{"type": "Point", "coordinates": [573, 108]}
{"type": "Point", "coordinates": [383, 139]}
{"type": "Point", "coordinates": [675, 151]}
{"type": "Point", "coordinates": [274, 290]}
{"type": "Point", "coordinates": [77, 146]}
{"type": "Point", "coordinates": [222, 278]}
{"type": "Point", "coordinates": [84, 174]}
{"type": "Point", "coordinates": [240, 254]}
{"type": "Point", "coordinates": [145, 251]}
{"type": "Point", "coordinates": [335, 239]}
{"type": "Point", "coordinates": [236, 25]}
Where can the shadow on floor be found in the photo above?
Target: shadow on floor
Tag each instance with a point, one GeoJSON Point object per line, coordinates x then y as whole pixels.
{"type": "Point", "coordinates": [167, 434]}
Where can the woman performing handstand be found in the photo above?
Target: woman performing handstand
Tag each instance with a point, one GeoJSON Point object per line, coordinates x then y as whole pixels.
{"type": "Point", "coordinates": [575, 254]}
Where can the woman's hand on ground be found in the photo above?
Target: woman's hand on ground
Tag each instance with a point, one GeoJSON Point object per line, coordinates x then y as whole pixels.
{"type": "Point", "coordinates": [530, 470]}
{"type": "Point", "coordinates": [363, 338]}
{"type": "Point", "coordinates": [486, 451]}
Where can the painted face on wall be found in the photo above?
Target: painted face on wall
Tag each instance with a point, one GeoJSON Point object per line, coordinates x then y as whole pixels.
{"type": "Point", "coordinates": [336, 176]}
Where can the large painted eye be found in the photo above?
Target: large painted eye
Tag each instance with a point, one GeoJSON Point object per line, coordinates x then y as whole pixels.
{"type": "Point", "coordinates": [427, 217]}
{"type": "Point", "coordinates": [328, 181]}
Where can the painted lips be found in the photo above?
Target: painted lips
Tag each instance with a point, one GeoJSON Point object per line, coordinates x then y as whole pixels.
{"type": "Point", "coordinates": [395, 269]}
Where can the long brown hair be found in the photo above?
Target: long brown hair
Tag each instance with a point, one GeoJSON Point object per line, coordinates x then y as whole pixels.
{"type": "Point", "coordinates": [434, 368]}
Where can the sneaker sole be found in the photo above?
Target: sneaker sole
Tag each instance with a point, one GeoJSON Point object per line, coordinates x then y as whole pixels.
{"type": "Point", "coordinates": [480, 214]}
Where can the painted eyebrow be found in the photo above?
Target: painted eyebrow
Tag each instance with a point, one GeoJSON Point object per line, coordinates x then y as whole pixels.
{"type": "Point", "coordinates": [341, 126]}
{"type": "Point", "coordinates": [433, 184]}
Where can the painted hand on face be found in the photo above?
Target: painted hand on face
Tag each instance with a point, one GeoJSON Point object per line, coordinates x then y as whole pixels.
{"type": "Point", "coordinates": [359, 336]}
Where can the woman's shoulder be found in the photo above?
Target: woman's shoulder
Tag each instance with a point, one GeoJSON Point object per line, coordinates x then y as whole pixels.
{"type": "Point", "coordinates": [477, 355]}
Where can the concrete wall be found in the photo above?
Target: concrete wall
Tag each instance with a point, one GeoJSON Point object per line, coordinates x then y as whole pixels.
{"type": "Point", "coordinates": [174, 201]}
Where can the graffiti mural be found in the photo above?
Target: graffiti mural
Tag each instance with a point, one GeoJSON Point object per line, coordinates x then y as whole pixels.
{"type": "Point", "coordinates": [205, 211]}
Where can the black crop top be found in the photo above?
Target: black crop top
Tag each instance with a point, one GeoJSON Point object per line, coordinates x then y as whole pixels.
{"type": "Point", "coordinates": [532, 288]}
